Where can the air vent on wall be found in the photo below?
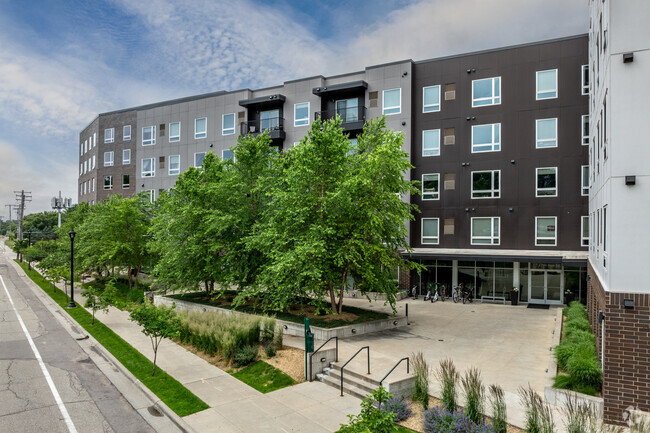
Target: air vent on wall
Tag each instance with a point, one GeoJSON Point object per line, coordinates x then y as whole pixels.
{"type": "Point", "coordinates": [450, 180]}
{"type": "Point", "coordinates": [241, 115]}
{"type": "Point", "coordinates": [450, 91]}
{"type": "Point", "coordinates": [450, 136]}
{"type": "Point", "coordinates": [373, 97]}
{"type": "Point", "coordinates": [449, 226]}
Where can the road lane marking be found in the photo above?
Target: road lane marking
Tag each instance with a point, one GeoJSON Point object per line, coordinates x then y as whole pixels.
{"type": "Point", "coordinates": [48, 378]}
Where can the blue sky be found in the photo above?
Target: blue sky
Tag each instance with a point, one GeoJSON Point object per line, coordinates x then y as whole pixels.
{"type": "Point", "coordinates": [64, 61]}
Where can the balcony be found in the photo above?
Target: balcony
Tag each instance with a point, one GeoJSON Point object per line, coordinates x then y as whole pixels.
{"type": "Point", "coordinates": [352, 118]}
{"type": "Point", "coordinates": [274, 126]}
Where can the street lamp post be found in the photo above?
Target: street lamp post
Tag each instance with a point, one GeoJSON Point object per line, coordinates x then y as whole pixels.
{"type": "Point", "coordinates": [29, 244]}
{"type": "Point", "coordinates": [72, 233]}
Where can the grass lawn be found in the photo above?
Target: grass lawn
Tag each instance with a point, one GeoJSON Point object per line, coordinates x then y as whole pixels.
{"type": "Point", "coordinates": [297, 313]}
{"type": "Point", "coordinates": [169, 390]}
{"type": "Point", "coordinates": [263, 377]}
{"type": "Point", "coordinates": [125, 296]}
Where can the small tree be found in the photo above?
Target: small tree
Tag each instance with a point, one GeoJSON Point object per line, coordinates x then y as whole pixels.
{"type": "Point", "coordinates": [157, 323]}
{"type": "Point", "coordinates": [98, 298]}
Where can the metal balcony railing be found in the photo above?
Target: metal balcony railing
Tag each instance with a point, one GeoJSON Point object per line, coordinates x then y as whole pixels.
{"type": "Point", "coordinates": [348, 115]}
{"type": "Point", "coordinates": [256, 126]}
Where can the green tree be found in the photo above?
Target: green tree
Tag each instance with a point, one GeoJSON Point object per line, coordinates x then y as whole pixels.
{"type": "Point", "coordinates": [98, 298]}
{"type": "Point", "coordinates": [157, 323]}
{"type": "Point", "coordinates": [336, 214]}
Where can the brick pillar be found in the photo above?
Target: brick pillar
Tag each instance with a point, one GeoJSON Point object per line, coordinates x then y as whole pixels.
{"type": "Point", "coordinates": [404, 279]}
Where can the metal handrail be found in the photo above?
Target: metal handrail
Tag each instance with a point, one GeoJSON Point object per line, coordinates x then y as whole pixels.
{"type": "Point", "coordinates": [343, 366]}
{"type": "Point", "coordinates": [394, 367]}
{"type": "Point", "coordinates": [311, 376]}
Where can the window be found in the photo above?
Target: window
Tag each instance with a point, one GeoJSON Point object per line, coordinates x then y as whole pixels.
{"type": "Point", "coordinates": [430, 186]}
{"type": "Point", "coordinates": [227, 155]}
{"type": "Point", "coordinates": [546, 133]}
{"type": "Point", "coordinates": [486, 138]}
{"type": "Point", "coordinates": [301, 114]}
{"type": "Point", "coordinates": [148, 135]}
{"type": "Point", "coordinates": [269, 120]}
{"type": "Point", "coordinates": [84, 188]}
{"type": "Point", "coordinates": [201, 127]}
{"type": "Point", "coordinates": [585, 180]}
{"type": "Point", "coordinates": [94, 161]}
{"type": "Point", "coordinates": [431, 142]}
{"type": "Point", "coordinates": [585, 79]}
{"type": "Point", "coordinates": [486, 184]}
{"type": "Point", "coordinates": [174, 164]}
{"type": "Point", "coordinates": [585, 129]}
{"type": "Point", "coordinates": [81, 169]}
{"type": "Point", "coordinates": [545, 231]}
{"type": "Point", "coordinates": [546, 182]}
{"type": "Point", "coordinates": [108, 182]}
{"type": "Point", "coordinates": [584, 230]}
{"type": "Point", "coordinates": [85, 166]}
{"type": "Point", "coordinates": [126, 181]}
{"type": "Point", "coordinates": [152, 195]}
{"type": "Point", "coordinates": [126, 156]}
{"type": "Point", "coordinates": [485, 231]}
{"type": "Point", "coordinates": [348, 110]}
{"type": "Point", "coordinates": [109, 135]}
{"type": "Point", "coordinates": [93, 184]}
{"type": "Point", "coordinates": [85, 147]}
{"type": "Point", "coordinates": [486, 92]}
{"type": "Point", "coordinates": [392, 101]}
{"type": "Point", "coordinates": [198, 159]}
{"type": "Point", "coordinates": [148, 167]}
{"type": "Point", "coordinates": [546, 84]}
{"type": "Point", "coordinates": [126, 132]}
{"type": "Point", "coordinates": [228, 124]}
{"type": "Point", "coordinates": [430, 231]}
{"type": "Point", "coordinates": [431, 99]}
{"type": "Point", "coordinates": [174, 132]}
{"type": "Point", "coordinates": [81, 148]}
{"type": "Point", "coordinates": [161, 162]}
{"type": "Point", "coordinates": [108, 159]}
{"type": "Point", "coordinates": [93, 142]}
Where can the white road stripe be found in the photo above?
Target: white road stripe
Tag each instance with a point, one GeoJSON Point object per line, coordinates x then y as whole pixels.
{"type": "Point", "coordinates": [48, 378]}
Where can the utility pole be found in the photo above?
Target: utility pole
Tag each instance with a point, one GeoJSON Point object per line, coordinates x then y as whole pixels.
{"type": "Point", "coordinates": [59, 203]}
{"type": "Point", "coordinates": [14, 207]}
{"type": "Point", "coordinates": [21, 197]}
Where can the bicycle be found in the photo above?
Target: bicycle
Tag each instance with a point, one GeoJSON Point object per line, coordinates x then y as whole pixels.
{"type": "Point", "coordinates": [455, 294]}
{"type": "Point", "coordinates": [468, 295]}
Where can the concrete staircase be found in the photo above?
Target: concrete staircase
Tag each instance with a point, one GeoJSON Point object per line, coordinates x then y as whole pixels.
{"type": "Point", "coordinates": [356, 384]}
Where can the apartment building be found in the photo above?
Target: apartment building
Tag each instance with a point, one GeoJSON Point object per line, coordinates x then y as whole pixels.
{"type": "Point", "coordinates": [619, 205]}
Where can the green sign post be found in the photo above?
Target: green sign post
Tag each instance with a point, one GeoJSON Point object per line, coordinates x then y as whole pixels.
{"type": "Point", "coordinates": [309, 345]}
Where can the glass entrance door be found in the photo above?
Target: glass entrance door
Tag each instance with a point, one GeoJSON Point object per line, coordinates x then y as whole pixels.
{"type": "Point", "coordinates": [545, 286]}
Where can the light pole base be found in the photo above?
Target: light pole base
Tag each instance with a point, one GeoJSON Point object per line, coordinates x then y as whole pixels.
{"type": "Point", "coordinates": [72, 305]}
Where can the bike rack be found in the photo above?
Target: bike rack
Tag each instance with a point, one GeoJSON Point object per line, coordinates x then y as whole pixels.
{"type": "Point", "coordinates": [394, 367]}
{"type": "Point", "coordinates": [348, 361]}
{"type": "Point", "coordinates": [311, 376]}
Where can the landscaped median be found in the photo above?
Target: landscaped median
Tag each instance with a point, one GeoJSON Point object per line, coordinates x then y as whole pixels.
{"type": "Point", "coordinates": [169, 390]}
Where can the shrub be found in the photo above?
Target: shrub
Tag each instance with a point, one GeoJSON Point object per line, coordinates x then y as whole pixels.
{"type": "Point", "coordinates": [267, 329]}
{"type": "Point", "coordinates": [576, 324]}
{"type": "Point", "coordinates": [441, 420]}
{"type": "Point", "coordinates": [421, 371]}
{"type": "Point", "coordinates": [397, 405]}
{"type": "Point", "coordinates": [270, 350]}
{"type": "Point", "coordinates": [585, 369]}
{"type": "Point", "coordinates": [278, 336]}
{"type": "Point", "coordinates": [448, 376]}
{"type": "Point", "coordinates": [575, 335]}
{"type": "Point", "coordinates": [567, 349]}
{"type": "Point", "coordinates": [499, 414]}
{"type": "Point", "coordinates": [371, 418]}
{"type": "Point", "coordinates": [575, 310]}
{"type": "Point", "coordinates": [474, 393]}
{"type": "Point", "coordinates": [539, 416]}
{"type": "Point", "coordinates": [245, 355]}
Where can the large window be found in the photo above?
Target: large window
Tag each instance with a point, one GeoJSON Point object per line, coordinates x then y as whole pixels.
{"type": "Point", "coordinates": [584, 190]}
{"type": "Point", "coordinates": [201, 127]}
{"type": "Point", "coordinates": [486, 184]}
{"type": "Point", "coordinates": [228, 124]}
{"type": "Point", "coordinates": [301, 114]}
{"type": "Point", "coordinates": [126, 156]}
{"type": "Point", "coordinates": [584, 230]}
{"type": "Point", "coordinates": [126, 132]}
{"type": "Point", "coordinates": [584, 124]}
{"type": "Point", "coordinates": [198, 159]}
{"type": "Point", "coordinates": [148, 135]}
{"type": "Point", "coordinates": [431, 142]}
{"type": "Point", "coordinates": [109, 135]}
{"type": "Point", "coordinates": [126, 181]}
{"type": "Point", "coordinates": [430, 186]}
{"type": "Point", "coordinates": [93, 162]}
{"type": "Point", "coordinates": [269, 119]}
{"type": "Point", "coordinates": [174, 132]}
{"type": "Point", "coordinates": [545, 231]}
{"type": "Point", "coordinates": [392, 101]}
{"type": "Point", "coordinates": [546, 84]}
{"type": "Point", "coordinates": [148, 167]}
{"type": "Point", "coordinates": [585, 79]}
{"type": "Point", "coordinates": [546, 133]}
{"type": "Point", "coordinates": [348, 110]}
{"type": "Point", "coordinates": [174, 164]}
{"type": "Point", "coordinates": [108, 182]}
{"type": "Point", "coordinates": [108, 159]}
{"type": "Point", "coordinates": [430, 231]}
{"type": "Point", "coordinates": [227, 155]}
{"type": "Point", "coordinates": [486, 231]}
{"type": "Point", "coordinates": [486, 92]}
{"type": "Point", "coordinates": [486, 138]}
{"type": "Point", "coordinates": [431, 99]}
{"type": "Point", "coordinates": [546, 182]}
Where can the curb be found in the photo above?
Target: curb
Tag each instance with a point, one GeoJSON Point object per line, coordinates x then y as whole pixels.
{"type": "Point", "coordinates": [71, 326]}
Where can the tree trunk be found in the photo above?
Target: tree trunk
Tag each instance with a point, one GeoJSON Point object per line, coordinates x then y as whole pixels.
{"type": "Point", "coordinates": [130, 277]}
{"type": "Point", "coordinates": [339, 307]}
{"type": "Point", "coordinates": [332, 297]}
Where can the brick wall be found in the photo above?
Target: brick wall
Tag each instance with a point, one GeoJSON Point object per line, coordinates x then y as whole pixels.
{"type": "Point", "coordinates": [626, 373]}
{"type": "Point", "coordinates": [404, 279]}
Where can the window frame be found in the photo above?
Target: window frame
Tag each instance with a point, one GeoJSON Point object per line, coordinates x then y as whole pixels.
{"type": "Point", "coordinates": [200, 135]}
{"type": "Point", "coordinates": [151, 141]}
{"type": "Point", "coordinates": [110, 139]}
{"type": "Point", "coordinates": [126, 185]}
{"type": "Point", "coordinates": [111, 161]}
{"type": "Point", "coordinates": [495, 144]}
{"type": "Point", "coordinates": [199, 153]}
{"type": "Point", "coordinates": [228, 131]}
{"type": "Point", "coordinates": [494, 192]}
{"type": "Point", "coordinates": [555, 91]}
{"type": "Point", "coordinates": [170, 170]}
{"type": "Point", "coordinates": [304, 121]}
{"type": "Point", "coordinates": [584, 180]}
{"type": "Point", "coordinates": [126, 161]}
{"type": "Point", "coordinates": [388, 111]}
{"type": "Point", "coordinates": [436, 239]}
{"type": "Point", "coordinates": [172, 137]}
{"type": "Point", "coordinates": [538, 239]}
{"type": "Point", "coordinates": [494, 239]}
{"type": "Point", "coordinates": [539, 142]}
{"type": "Point", "coordinates": [434, 107]}
{"type": "Point", "coordinates": [436, 194]}
{"type": "Point", "coordinates": [125, 136]}
{"type": "Point", "coordinates": [585, 138]}
{"type": "Point", "coordinates": [436, 149]}
{"type": "Point", "coordinates": [538, 190]}
{"type": "Point", "coordinates": [492, 100]}
{"type": "Point", "coordinates": [108, 177]}
{"type": "Point", "coordinates": [584, 241]}
{"type": "Point", "coordinates": [583, 81]}
{"type": "Point", "coordinates": [152, 171]}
